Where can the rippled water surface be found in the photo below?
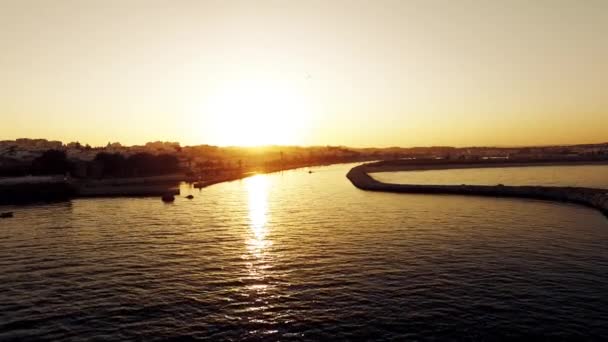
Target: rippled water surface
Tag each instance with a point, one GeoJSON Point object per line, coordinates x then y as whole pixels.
{"type": "Point", "coordinates": [298, 256]}
{"type": "Point", "coordinates": [594, 176]}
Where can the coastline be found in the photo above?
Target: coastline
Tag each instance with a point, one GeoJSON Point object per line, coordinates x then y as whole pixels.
{"type": "Point", "coordinates": [243, 175]}
{"type": "Point", "coordinates": [414, 165]}
{"type": "Point", "coordinates": [590, 197]}
{"type": "Point", "coordinates": [58, 188]}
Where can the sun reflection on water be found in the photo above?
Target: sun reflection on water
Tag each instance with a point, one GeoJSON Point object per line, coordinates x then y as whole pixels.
{"type": "Point", "coordinates": [257, 188]}
{"type": "Point", "coordinates": [257, 260]}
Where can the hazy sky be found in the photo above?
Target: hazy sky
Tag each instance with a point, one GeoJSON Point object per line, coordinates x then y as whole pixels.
{"type": "Point", "coordinates": [359, 73]}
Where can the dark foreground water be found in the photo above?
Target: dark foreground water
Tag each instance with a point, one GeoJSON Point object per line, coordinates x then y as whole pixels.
{"type": "Point", "coordinates": [298, 256]}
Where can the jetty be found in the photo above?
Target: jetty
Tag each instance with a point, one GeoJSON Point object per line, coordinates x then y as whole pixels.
{"type": "Point", "coordinates": [590, 197]}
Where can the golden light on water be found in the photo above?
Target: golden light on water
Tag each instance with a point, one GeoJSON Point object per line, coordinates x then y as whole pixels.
{"type": "Point", "coordinates": [257, 188]}
{"type": "Point", "coordinates": [257, 240]}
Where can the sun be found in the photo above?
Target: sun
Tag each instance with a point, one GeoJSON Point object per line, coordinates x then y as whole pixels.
{"type": "Point", "coordinates": [255, 113]}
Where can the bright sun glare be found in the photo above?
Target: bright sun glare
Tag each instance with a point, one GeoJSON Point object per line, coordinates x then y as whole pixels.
{"type": "Point", "coordinates": [252, 113]}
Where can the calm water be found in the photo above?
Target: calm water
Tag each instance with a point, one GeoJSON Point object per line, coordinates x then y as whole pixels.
{"type": "Point", "coordinates": [594, 176]}
{"type": "Point", "coordinates": [298, 256]}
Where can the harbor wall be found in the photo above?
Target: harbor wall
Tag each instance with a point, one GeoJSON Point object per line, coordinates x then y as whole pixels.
{"type": "Point", "coordinates": [591, 197]}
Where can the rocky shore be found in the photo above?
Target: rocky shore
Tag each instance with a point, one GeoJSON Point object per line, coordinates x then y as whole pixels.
{"type": "Point", "coordinates": [595, 198]}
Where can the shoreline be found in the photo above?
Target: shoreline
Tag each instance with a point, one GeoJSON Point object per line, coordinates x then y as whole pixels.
{"type": "Point", "coordinates": [413, 165]}
{"type": "Point", "coordinates": [590, 197]}
{"type": "Point", "coordinates": [209, 182]}
{"type": "Point", "coordinates": [61, 190]}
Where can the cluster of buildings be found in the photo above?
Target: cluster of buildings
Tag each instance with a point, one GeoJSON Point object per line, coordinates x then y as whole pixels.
{"type": "Point", "coordinates": [598, 151]}
{"type": "Point", "coordinates": [204, 158]}
{"type": "Point", "coordinates": [24, 150]}
{"type": "Point", "coordinates": [542, 152]}
{"type": "Point", "coordinates": [27, 149]}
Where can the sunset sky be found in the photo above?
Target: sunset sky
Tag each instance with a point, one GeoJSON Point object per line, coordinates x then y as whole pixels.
{"type": "Point", "coordinates": [357, 73]}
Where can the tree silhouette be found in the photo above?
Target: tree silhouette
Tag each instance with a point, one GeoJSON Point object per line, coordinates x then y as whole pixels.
{"type": "Point", "coordinates": [113, 164]}
{"type": "Point", "coordinates": [136, 165]}
{"type": "Point", "coordinates": [51, 162]}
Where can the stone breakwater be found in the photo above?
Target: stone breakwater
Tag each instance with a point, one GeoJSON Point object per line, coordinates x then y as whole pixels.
{"type": "Point", "coordinates": [595, 198]}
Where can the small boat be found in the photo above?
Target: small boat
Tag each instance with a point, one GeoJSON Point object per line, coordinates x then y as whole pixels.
{"type": "Point", "coordinates": [309, 171]}
{"type": "Point", "coordinates": [6, 215]}
{"type": "Point", "coordinates": [168, 198]}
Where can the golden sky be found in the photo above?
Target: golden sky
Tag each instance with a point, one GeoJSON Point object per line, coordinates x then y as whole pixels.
{"type": "Point", "coordinates": [358, 73]}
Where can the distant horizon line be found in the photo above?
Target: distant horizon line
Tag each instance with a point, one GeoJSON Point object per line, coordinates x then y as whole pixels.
{"type": "Point", "coordinates": [316, 146]}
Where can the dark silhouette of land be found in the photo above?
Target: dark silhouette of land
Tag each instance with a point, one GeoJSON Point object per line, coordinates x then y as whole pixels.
{"type": "Point", "coordinates": [75, 170]}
